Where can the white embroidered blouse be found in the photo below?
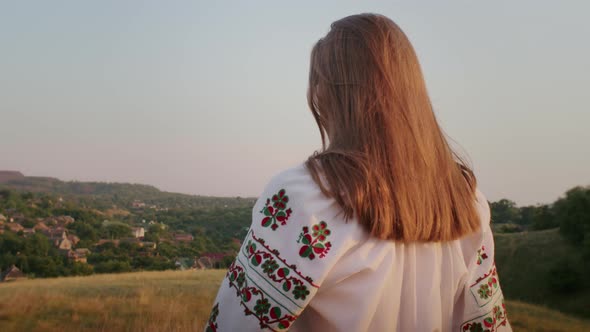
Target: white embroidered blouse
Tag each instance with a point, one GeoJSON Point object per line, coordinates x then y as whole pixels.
{"type": "Point", "coordinates": [301, 267]}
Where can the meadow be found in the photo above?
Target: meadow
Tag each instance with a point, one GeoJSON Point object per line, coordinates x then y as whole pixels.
{"type": "Point", "coordinates": [164, 301]}
{"type": "Point", "coordinates": [526, 261]}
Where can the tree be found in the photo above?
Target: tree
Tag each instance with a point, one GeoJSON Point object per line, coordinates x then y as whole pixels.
{"type": "Point", "coordinates": [117, 230]}
{"type": "Point", "coordinates": [84, 231]}
{"type": "Point", "coordinates": [573, 214]}
{"type": "Point", "coordinates": [544, 218]}
{"type": "Point", "coordinates": [11, 243]}
{"type": "Point", "coordinates": [504, 211]}
{"type": "Point", "coordinates": [81, 269]}
{"type": "Point", "coordinates": [37, 244]}
{"type": "Point", "coordinates": [112, 266]}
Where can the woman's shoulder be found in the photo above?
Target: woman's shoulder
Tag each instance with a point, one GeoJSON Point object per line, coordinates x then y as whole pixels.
{"type": "Point", "coordinates": [296, 176]}
{"type": "Point", "coordinates": [296, 185]}
{"type": "Point", "coordinates": [295, 189]}
{"type": "Point", "coordinates": [483, 206]}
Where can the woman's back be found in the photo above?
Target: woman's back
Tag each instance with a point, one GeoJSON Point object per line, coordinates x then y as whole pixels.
{"type": "Point", "coordinates": [383, 228]}
{"type": "Point", "coordinates": [302, 267]}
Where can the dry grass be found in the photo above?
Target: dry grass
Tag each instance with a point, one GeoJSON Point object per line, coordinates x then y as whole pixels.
{"type": "Point", "coordinates": [530, 317]}
{"type": "Point", "coordinates": [143, 301]}
{"type": "Point", "coordinates": [163, 301]}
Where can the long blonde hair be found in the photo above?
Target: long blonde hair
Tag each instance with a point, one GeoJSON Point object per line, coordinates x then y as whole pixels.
{"type": "Point", "coordinates": [387, 162]}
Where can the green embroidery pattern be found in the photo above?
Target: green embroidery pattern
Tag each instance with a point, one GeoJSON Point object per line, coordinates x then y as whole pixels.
{"type": "Point", "coordinates": [277, 212]}
{"type": "Point", "coordinates": [268, 261]}
{"type": "Point", "coordinates": [485, 287]}
{"type": "Point", "coordinates": [212, 322]}
{"type": "Point", "coordinates": [481, 255]}
{"type": "Point", "coordinates": [256, 302]}
{"type": "Point", "coordinates": [489, 322]}
{"type": "Point", "coordinates": [314, 243]}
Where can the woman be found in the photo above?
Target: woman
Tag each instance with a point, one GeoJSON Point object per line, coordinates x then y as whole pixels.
{"type": "Point", "coordinates": [384, 229]}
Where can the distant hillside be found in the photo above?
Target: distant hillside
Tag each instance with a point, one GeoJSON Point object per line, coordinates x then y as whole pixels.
{"type": "Point", "coordinates": [6, 176]}
{"type": "Point", "coordinates": [526, 262]}
{"type": "Point", "coordinates": [104, 195]}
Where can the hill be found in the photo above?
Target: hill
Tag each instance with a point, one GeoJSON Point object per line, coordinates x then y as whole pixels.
{"type": "Point", "coordinates": [164, 301]}
{"type": "Point", "coordinates": [527, 263]}
{"type": "Point", "coordinates": [104, 195]}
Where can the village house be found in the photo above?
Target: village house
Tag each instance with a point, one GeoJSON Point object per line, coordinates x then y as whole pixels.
{"type": "Point", "coordinates": [17, 217]}
{"type": "Point", "coordinates": [178, 237]}
{"type": "Point", "coordinates": [83, 251]}
{"type": "Point", "coordinates": [73, 239]}
{"type": "Point", "coordinates": [138, 232]}
{"type": "Point", "coordinates": [14, 227]}
{"type": "Point", "coordinates": [41, 227]}
{"type": "Point", "coordinates": [202, 263]}
{"type": "Point", "coordinates": [56, 235]}
{"type": "Point", "coordinates": [63, 244]}
{"type": "Point", "coordinates": [148, 245]}
{"type": "Point", "coordinates": [65, 220]}
{"type": "Point", "coordinates": [78, 255]}
{"type": "Point", "coordinates": [60, 220]}
{"type": "Point", "coordinates": [137, 204]}
{"type": "Point", "coordinates": [13, 273]}
{"type": "Point", "coordinates": [210, 260]}
{"type": "Point", "coordinates": [28, 231]}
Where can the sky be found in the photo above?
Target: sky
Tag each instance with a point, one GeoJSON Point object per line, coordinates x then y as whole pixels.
{"type": "Point", "coordinates": [209, 97]}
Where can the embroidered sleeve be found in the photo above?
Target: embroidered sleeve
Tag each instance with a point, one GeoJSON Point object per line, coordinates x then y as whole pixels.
{"type": "Point", "coordinates": [484, 307]}
{"type": "Point", "coordinates": [287, 252]}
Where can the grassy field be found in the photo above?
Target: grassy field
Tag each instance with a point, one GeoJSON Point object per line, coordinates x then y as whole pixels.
{"type": "Point", "coordinates": [141, 301]}
{"type": "Point", "coordinates": [524, 261]}
{"type": "Point", "coordinates": [163, 301]}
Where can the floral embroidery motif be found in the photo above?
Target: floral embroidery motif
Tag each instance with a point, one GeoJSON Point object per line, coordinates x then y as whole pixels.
{"type": "Point", "coordinates": [489, 322]}
{"type": "Point", "coordinates": [481, 255]}
{"type": "Point", "coordinates": [266, 312]}
{"type": "Point", "coordinates": [276, 213]}
{"type": "Point", "coordinates": [314, 242]}
{"type": "Point", "coordinates": [485, 287]}
{"type": "Point", "coordinates": [211, 323]}
{"type": "Point", "coordinates": [259, 254]}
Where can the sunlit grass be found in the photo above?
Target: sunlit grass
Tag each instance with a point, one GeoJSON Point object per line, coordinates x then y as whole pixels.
{"type": "Point", "coordinates": [163, 301]}
{"type": "Point", "coordinates": [143, 301]}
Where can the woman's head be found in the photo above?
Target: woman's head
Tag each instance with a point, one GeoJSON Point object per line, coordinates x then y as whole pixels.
{"type": "Point", "coordinates": [385, 159]}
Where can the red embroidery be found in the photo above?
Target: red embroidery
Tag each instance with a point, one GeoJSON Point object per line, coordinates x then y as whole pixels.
{"type": "Point", "coordinates": [211, 323]}
{"type": "Point", "coordinates": [481, 255]}
{"type": "Point", "coordinates": [256, 257]}
{"type": "Point", "coordinates": [314, 243]}
{"type": "Point", "coordinates": [276, 212]}
{"type": "Point", "coordinates": [263, 310]}
{"type": "Point", "coordinates": [490, 321]}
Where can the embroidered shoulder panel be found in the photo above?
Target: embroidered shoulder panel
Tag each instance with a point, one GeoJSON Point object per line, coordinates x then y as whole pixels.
{"type": "Point", "coordinates": [269, 287]}
{"type": "Point", "coordinates": [485, 287]}
{"type": "Point", "coordinates": [314, 242]}
{"type": "Point", "coordinates": [275, 210]}
{"type": "Point", "coordinates": [269, 313]}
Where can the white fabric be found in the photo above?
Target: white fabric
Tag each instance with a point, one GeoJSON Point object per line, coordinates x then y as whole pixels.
{"type": "Point", "coordinates": [361, 283]}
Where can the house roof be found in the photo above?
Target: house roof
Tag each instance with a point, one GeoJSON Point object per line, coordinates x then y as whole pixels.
{"type": "Point", "coordinates": [12, 272]}
{"type": "Point", "coordinates": [41, 226]}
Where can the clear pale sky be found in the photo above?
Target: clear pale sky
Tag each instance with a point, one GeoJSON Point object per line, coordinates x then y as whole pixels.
{"type": "Point", "coordinates": [209, 97]}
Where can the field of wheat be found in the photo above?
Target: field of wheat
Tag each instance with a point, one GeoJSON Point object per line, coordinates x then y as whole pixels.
{"type": "Point", "coordinates": [163, 301]}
